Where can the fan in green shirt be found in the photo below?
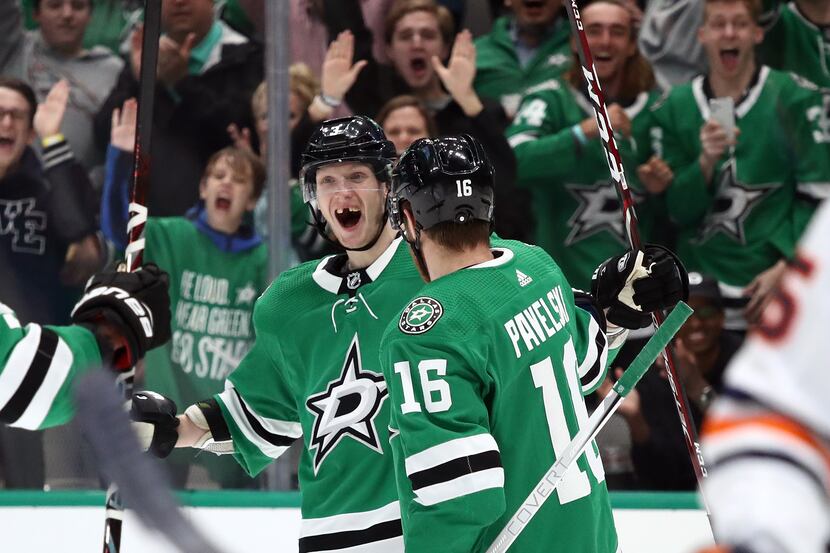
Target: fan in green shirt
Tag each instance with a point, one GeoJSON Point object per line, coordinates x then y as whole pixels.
{"type": "Point", "coordinates": [525, 50]}
{"type": "Point", "coordinates": [741, 201]}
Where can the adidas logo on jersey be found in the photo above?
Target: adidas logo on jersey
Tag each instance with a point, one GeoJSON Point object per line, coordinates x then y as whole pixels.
{"type": "Point", "coordinates": [524, 280]}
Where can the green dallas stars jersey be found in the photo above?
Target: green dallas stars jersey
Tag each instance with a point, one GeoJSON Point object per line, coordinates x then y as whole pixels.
{"type": "Point", "coordinates": [749, 216]}
{"type": "Point", "coordinates": [486, 370]}
{"type": "Point", "coordinates": [37, 367]}
{"type": "Point", "coordinates": [793, 43]}
{"type": "Point", "coordinates": [212, 295]}
{"type": "Point", "coordinates": [578, 216]}
{"type": "Point", "coordinates": [500, 75]}
{"type": "Point", "coordinates": [314, 371]}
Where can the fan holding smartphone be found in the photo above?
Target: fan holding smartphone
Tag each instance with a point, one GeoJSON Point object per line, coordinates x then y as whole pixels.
{"type": "Point", "coordinates": [717, 134]}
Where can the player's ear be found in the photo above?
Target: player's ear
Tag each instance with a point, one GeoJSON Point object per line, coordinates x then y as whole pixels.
{"type": "Point", "coordinates": [408, 224]}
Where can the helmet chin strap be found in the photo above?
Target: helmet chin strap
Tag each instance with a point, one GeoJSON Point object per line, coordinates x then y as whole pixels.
{"type": "Point", "coordinates": [417, 253]}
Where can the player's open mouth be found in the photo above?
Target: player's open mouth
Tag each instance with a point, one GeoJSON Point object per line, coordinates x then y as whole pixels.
{"type": "Point", "coordinates": [223, 204]}
{"type": "Point", "coordinates": [6, 142]}
{"type": "Point", "coordinates": [729, 57]}
{"type": "Point", "coordinates": [418, 65]}
{"type": "Point", "coordinates": [348, 217]}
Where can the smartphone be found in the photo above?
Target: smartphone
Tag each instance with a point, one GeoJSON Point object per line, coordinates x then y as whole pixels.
{"type": "Point", "coordinates": [723, 111]}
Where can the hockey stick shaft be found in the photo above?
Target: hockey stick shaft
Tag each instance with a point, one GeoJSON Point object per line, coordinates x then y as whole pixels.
{"type": "Point", "coordinates": [553, 477]}
{"type": "Point", "coordinates": [135, 224]}
{"type": "Point", "coordinates": [615, 165]}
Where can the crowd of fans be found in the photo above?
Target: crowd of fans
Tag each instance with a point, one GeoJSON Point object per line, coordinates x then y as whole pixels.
{"type": "Point", "coordinates": [718, 107]}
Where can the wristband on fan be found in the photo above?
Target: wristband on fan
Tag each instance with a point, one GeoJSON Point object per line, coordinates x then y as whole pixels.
{"type": "Point", "coordinates": [579, 134]}
{"type": "Point", "coordinates": [52, 139]}
{"type": "Point", "coordinates": [329, 100]}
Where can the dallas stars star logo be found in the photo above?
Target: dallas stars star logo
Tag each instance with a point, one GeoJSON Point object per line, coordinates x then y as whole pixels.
{"type": "Point", "coordinates": [246, 294]}
{"type": "Point", "coordinates": [732, 205]}
{"type": "Point", "coordinates": [598, 210]}
{"type": "Point", "coordinates": [348, 407]}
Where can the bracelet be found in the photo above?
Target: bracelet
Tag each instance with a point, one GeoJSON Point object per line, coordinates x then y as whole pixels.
{"type": "Point", "coordinates": [579, 134]}
{"type": "Point", "coordinates": [329, 100]}
{"type": "Point", "coordinates": [52, 139]}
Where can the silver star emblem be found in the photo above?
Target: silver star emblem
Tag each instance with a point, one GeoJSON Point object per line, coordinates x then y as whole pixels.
{"type": "Point", "coordinates": [246, 294]}
{"type": "Point", "coordinates": [348, 407]}
{"type": "Point", "coordinates": [732, 205]}
{"type": "Point", "coordinates": [598, 210]}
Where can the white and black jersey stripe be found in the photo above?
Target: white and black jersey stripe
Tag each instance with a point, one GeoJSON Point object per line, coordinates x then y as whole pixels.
{"type": "Point", "coordinates": [455, 468]}
{"type": "Point", "coordinates": [271, 436]}
{"type": "Point", "coordinates": [34, 373]}
{"type": "Point", "coordinates": [592, 368]}
{"type": "Point", "coordinates": [377, 531]}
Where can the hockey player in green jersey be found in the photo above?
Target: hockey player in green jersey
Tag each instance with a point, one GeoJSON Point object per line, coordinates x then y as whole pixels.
{"type": "Point", "coordinates": [120, 317]}
{"type": "Point", "coordinates": [313, 370]}
{"type": "Point", "coordinates": [527, 49]}
{"type": "Point", "coordinates": [560, 156]}
{"type": "Point", "coordinates": [488, 364]}
{"type": "Point", "coordinates": [741, 199]}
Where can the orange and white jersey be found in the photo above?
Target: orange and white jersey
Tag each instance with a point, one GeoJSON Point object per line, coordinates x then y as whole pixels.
{"type": "Point", "coordinates": [767, 438]}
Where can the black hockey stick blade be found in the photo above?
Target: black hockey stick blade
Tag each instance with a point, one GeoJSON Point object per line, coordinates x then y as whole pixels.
{"type": "Point", "coordinates": [142, 483]}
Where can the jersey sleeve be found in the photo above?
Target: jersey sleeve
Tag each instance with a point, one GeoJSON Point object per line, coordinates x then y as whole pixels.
{"type": "Point", "coordinates": [591, 346]}
{"type": "Point", "coordinates": [805, 112]}
{"type": "Point", "coordinates": [38, 365]}
{"type": "Point", "coordinates": [257, 404]}
{"type": "Point", "coordinates": [453, 484]}
{"type": "Point", "coordinates": [539, 135]}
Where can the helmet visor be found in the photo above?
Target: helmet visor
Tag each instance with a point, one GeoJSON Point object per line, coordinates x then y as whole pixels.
{"type": "Point", "coordinates": [363, 175]}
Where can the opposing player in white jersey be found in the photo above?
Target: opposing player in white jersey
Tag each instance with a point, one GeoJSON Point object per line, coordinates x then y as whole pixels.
{"type": "Point", "coordinates": [768, 436]}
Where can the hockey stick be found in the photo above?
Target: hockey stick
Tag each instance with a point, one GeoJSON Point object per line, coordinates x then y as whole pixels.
{"type": "Point", "coordinates": [141, 480]}
{"type": "Point", "coordinates": [135, 225]}
{"type": "Point", "coordinates": [553, 477]}
{"type": "Point", "coordinates": [615, 165]}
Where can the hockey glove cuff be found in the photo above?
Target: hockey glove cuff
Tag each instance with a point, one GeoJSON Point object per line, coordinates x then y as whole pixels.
{"type": "Point", "coordinates": [155, 422]}
{"type": "Point", "coordinates": [129, 313]}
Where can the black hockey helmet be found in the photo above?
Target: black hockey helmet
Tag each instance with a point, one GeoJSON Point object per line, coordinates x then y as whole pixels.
{"type": "Point", "coordinates": [443, 179]}
{"type": "Point", "coordinates": [356, 138]}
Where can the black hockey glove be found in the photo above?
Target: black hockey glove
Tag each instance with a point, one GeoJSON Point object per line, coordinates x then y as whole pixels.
{"type": "Point", "coordinates": [128, 312]}
{"type": "Point", "coordinates": [155, 422]}
{"type": "Point", "coordinates": [632, 285]}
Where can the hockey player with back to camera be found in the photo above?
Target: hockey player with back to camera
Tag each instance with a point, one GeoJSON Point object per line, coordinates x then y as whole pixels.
{"type": "Point", "coordinates": [314, 370]}
{"type": "Point", "coordinates": [493, 329]}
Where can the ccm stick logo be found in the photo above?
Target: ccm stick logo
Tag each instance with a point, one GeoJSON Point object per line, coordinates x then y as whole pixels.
{"type": "Point", "coordinates": [604, 126]}
{"type": "Point", "coordinates": [703, 471]}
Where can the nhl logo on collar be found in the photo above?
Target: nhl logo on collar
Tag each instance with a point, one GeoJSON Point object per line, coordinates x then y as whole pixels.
{"type": "Point", "coordinates": [420, 315]}
{"type": "Point", "coordinates": [353, 281]}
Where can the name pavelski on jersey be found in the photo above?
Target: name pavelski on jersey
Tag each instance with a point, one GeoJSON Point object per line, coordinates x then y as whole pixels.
{"type": "Point", "coordinates": [420, 315]}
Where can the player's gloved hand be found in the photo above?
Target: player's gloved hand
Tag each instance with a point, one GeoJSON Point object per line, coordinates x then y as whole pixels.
{"type": "Point", "coordinates": [155, 422]}
{"type": "Point", "coordinates": [630, 286]}
{"type": "Point", "coordinates": [128, 312]}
